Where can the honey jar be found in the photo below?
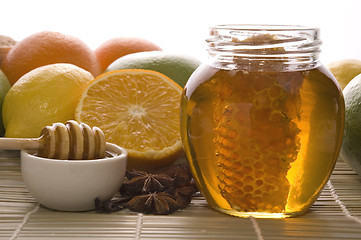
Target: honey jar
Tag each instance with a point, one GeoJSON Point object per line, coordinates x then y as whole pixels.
{"type": "Point", "coordinates": [262, 120]}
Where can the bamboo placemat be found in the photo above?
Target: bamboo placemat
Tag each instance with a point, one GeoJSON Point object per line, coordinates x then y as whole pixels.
{"type": "Point", "coordinates": [335, 215]}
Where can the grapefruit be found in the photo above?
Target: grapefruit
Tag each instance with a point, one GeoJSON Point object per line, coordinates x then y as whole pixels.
{"type": "Point", "coordinates": [177, 67]}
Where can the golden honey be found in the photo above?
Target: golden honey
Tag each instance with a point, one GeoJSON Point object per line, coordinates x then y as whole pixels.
{"type": "Point", "coordinates": [262, 139]}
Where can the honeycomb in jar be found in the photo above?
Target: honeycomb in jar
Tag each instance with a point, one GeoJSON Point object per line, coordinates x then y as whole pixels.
{"type": "Point", "coordinates": [256, 137]}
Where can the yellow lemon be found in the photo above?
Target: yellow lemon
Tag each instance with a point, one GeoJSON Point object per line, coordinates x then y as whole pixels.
{"type": "Point", "coordinates": [4, 88]}
{"type": "Point", "coordinates": [345, 70]}
{"type": "Point", "coordinates": [43, 96]}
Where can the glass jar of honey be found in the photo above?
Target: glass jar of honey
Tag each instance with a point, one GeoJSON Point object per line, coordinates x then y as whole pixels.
{"type": "Point", "coordinates": [262, 121]}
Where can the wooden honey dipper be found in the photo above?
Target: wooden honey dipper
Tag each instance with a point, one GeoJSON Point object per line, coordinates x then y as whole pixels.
{"type": "Point", "coordinates": [62, 141]}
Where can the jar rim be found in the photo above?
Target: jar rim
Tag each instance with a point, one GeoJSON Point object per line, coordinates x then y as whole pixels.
{"type": "Point", "coordinates": [265, 45]}
{"type": "Point", "coordinates": [265, 27]}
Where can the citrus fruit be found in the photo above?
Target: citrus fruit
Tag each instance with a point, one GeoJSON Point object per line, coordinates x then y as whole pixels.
{"type": "Point", "coordinates": [351, 150]}
{"type": "Point", "coordinates": [115, 48]}
{"type": "Point", "coordinates": [138, 110]}
{"type": "Point", "coordinates": [45, 48]}
{"type": "Point", "coordinates": [6, 43]}
{"type": "Point", "coordinates": [43, 96]}
{"type": "Point", "coordinates": [175, 66]}
{"type": "Point", "coordinates": [4, 88]}
{"type": "Point", "coordinates": [345, 70]}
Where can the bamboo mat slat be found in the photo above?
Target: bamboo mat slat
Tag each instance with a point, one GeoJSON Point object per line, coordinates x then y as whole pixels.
{"type": "Point", "coordinates": [335, 215]}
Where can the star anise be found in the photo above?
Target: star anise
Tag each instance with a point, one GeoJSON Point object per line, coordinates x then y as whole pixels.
{"type": "Point", "coordinates": [153, 203]}
{"type": "Point", "coordinates": [179, 171]}
{"type": "Point", "coordinates": [183, 195]}
{"type": "Point", "coordinates": [142, 182]}
{"type": "Point", "coordinates": [158, 192]}
{"type": "Point", "coordinates": [113, 205]}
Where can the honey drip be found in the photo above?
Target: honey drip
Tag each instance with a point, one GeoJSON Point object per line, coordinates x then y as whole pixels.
{"type": "Point", "coordinates": [256, 137]}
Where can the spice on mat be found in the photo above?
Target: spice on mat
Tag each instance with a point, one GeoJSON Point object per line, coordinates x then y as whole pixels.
{"type": "Point", "coordinates": [161, 192]}
{"type": "Point", "coordinates": [157, 203]}
{"type": "Point", "coordinates": [143, 182]}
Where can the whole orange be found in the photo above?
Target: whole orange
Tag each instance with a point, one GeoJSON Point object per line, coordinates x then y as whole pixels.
{"type": "Point", "coordinates": [118, 47]}
{"type": "Point", "coordinates": [45, 48]}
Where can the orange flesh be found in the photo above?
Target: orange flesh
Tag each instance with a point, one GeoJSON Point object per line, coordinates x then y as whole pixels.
{"type": "Point", "coordinates": [138, 110]}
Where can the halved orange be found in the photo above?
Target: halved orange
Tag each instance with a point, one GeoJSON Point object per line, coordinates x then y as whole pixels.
{"type": "Point", "coordinates": [138, 110]}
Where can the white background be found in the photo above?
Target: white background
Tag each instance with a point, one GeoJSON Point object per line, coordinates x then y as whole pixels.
{"type": "Point", "coordinates": [182, 25]}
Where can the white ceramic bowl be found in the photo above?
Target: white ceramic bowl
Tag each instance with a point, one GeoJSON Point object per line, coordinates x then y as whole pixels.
{"type": "Point", "coordinates": [73, 185]}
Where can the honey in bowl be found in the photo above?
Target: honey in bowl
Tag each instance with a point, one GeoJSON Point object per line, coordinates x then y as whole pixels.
{"type": "Point", "coordinates": [261, 125]}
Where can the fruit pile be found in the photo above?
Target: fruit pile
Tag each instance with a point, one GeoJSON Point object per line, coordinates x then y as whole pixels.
{"type": "Point", "coordinates": [50, 77]}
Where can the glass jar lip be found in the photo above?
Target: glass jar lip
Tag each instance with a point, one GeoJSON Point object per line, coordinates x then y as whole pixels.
{"type": "Point", "coordinates": [265, 27]}
{"type": "Point", "coordinates": [265, 45]}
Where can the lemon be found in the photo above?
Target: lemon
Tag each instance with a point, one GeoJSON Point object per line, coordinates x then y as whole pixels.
{"type": "Point", "coordinates": [43, 96]}
{"type": "Point", "coordinates": [345, 70]}
{"type": "Point", "coordinates": [177, 67]}
{"type": "Point", "coordinates": [136, 109]}
{"type": "Point", "coordinates": [351, 150]}
{"type": "Point", "coordinates": [4, 88]}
